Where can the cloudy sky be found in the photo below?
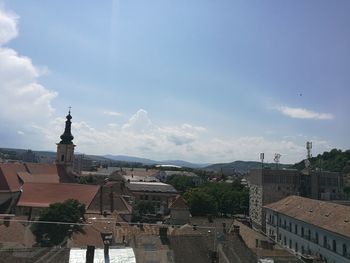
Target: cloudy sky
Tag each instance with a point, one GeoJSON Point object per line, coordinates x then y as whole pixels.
{"type": "Point", "coordinates": [200, 80]}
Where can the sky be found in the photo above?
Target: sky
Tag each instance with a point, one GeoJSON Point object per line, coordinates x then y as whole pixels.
{"type": "Point", "coordinates": [202, 80]}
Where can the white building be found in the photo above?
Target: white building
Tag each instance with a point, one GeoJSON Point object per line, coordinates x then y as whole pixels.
{"type": "Point", "coordinates": [310, 228]}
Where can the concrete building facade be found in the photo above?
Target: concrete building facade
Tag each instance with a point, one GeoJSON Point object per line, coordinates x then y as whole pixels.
{"type": "Point", "coordinates": [312, 229]}
{"type": "Point", "coordinates": [267, 186]}
{"type": "Point", "coordinates": [270, 185]}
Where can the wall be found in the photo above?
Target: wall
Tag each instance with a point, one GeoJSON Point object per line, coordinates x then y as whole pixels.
{"type": "Point", "coordinates": [255, 205]}
{"type": "Point", "coordinates": [307, 242]}
{"type": "Point", "coordinates": [8, 201]}
{"type": "Point", "coordinates": [179, 216]}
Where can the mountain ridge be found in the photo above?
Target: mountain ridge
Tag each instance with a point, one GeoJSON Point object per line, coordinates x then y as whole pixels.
{"type": "Point", "coordinates": [242, 166]}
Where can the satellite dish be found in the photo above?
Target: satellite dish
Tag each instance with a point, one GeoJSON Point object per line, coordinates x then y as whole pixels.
{"type": "Point", "coordinates": [277, 158]}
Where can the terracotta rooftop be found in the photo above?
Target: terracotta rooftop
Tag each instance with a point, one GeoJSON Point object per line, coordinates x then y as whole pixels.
{"type": "Point", "coordinates": [121, 205]}
{"type": "Point", "coordinates": [16, 234]}
{"type": "Point", "coordinates": [9, 180]}
{"type": "Point", "coordinates": [41, 168]}
{"type": "Point", "coordinates": [38, 178]}
{"type": "Point", "coordinates": [12, 175]}
{"type": "Point", "coordinates": [140, 172]}
{"type": "Point", "coordinates": [179, 203]}
{"type": "Point", "coordinates": [44, 194]}
{"type": "Point", "coordinates": [330, 216]}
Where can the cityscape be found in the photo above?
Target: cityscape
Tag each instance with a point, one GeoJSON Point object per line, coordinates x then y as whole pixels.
{"type": "Point", "coordinates": [175, 132]}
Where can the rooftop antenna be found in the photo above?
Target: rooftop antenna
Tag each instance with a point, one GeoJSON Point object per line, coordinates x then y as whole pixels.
{"type": "Point", "coordinates": [277, 159]}
{"type": "Point", "coordinates": [309, 155]}
{"type": "Point", "coordinates": [262, 155]}
{"type": "Point", "coordinates": [308, 148]}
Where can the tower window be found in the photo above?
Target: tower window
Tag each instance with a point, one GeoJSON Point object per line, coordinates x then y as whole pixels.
{"type": "Point", "coordinates": [62, 158]}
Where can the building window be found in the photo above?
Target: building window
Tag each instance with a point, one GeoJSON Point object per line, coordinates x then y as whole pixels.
{"type": "Point", "coordinates": [316, 238]}
{"type": "Point", "coordinates": [296, 229]}
{"type": "Point", "coordinates": [290, 226]}
{"type": "Point", "coordinates": [62, 158]}
{"type": "Point", "coordinates": [284, 223]}
{"type": "Point", "coordinates": [285, 242]}
{"type": "Point", "coordinates": [290, 243]}
{"type": "Point", "coordinates": [334, 246]}
{"type": "Point", "coordinates": [302, 250]}
{"type": "Point", "coordinates": [302, 231]}
{"type": "Point", "coordinates": [345, 250]}
{"type": "Point", "coordinates": [325, 241]}
{"type": "Point", "coordinates": [296, 247]}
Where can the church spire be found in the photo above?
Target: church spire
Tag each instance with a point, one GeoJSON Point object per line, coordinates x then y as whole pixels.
{"type": "Point", "coordinates": [67, 137]}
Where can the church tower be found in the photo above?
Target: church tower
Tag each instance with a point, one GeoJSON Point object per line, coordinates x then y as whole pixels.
{"type": "Point", "coordinates": [65, 149]}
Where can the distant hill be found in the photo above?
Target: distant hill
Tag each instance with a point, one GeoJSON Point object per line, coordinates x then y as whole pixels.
{"type": "Point", "coordinates": [184, 164]}
{"type": "Point", "coordinates": [16, 154]}
{"type": "Point", "coordinates": [241, 166]}
{"type": "Point", "coordinates": [333, 161]}
{"type": "Point", "coordinates": [131, 159]}
{"type": "Point", "coordinates": [153, 162]}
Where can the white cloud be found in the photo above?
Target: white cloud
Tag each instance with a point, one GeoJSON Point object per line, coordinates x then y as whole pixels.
{"type": "Point", "coordinates": [139, 136]}
{"type": "Point", "coordinates": [112, 113]}
{"type": "Point", "coordinates": [8, 26]}
{"type": "Point", "coordinates": [301, 113]}
{"type": "Point", "coordinates": [26, 104]}
{"type": "Point", "coordinates": [22, 97]}
{"type": "Point", "coordinates": [139, 122]}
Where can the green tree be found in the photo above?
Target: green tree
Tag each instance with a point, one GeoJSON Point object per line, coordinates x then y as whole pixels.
{"type": "Point", "coordinates": [87, 179]}
{"type": "Point", "coordinates": [227, 198]}
{"type": "Point", "coordinates": [181, 182]}
{"type": "Point", "coordinates": [144, 207]}
{"type": "Point", "coordinates": [70, 211]}
{"type": "Point", "coordinates": [202, 204]}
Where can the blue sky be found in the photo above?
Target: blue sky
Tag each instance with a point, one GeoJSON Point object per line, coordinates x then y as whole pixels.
{"type": "Point", "coordinates": [204, 81]}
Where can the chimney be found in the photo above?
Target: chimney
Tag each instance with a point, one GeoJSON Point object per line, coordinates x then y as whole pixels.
{"type": "Point", "coordinates": [163, 232]}
{"type": "Point", "coordinates": [90, 253]}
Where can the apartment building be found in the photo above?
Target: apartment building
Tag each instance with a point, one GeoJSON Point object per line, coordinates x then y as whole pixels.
{"type": "Point", "coordinates": [270, 185]}
{"type": "Point", "coordinates": [312, 229]}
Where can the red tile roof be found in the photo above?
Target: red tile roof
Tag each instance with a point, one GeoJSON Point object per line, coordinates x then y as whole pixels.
{"type": "Point", "coordinates": [41, 168]}
{"type": "Point", "coordinates": [12, 175]}
{"type": "Point", "coordinates": [38, 178]}
{"type": "Point", "coordinates": [330, 216]}
{"type": "Point", "coordinates": [44, 194]}
{"type": "Point", "coordinates": [179, 203]}
{"type": "Point", "coordinates": [121, 205]}
{"type": "Point", "coordinates": [16, 234]}
{"type": "Point", "coordinates": [9, 180]}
